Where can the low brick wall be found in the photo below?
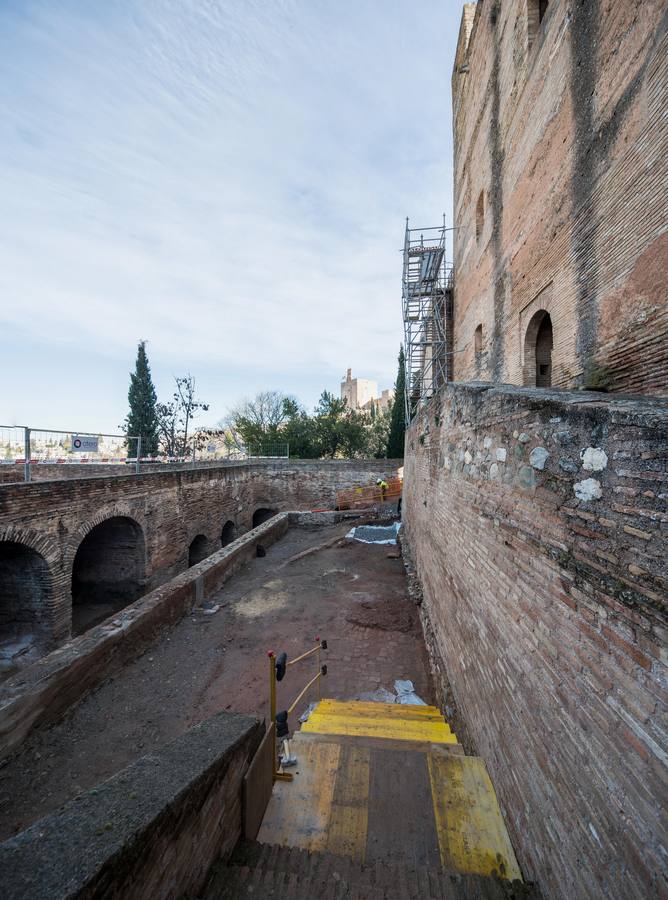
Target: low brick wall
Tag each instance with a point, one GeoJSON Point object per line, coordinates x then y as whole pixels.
{"type": "Point", "coordinates": [537, 522]}
{"type": "Point", "coordinates": [152, 830]}
{"type": "Point", "coordinates": [44, 691]}
{"type": "Point", "coordinates": [167, 509]}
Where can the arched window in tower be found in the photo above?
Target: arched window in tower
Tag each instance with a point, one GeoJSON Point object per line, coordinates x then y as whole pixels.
{"type": "Point", "coordinates": [538, 343]}
{"type": "Point", "coordinates": [477, 340]}
{"type": "Point", "coordinates": [480, 215]}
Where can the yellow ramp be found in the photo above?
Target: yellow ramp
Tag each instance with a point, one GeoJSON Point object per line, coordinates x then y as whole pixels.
{"type": "Point", "coordinates": [472, 835]}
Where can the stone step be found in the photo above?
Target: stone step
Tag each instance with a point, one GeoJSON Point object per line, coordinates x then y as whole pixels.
{"type": "Point", "coordinates": [263, 870]}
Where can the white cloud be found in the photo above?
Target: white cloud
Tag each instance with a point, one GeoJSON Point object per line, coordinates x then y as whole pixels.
{"type": "Point", "coordinates": [228, 179]}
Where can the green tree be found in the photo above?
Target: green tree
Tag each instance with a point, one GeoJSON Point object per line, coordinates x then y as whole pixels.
{"type": "Point", "coordinates": [142, 418]}
{"type": "Point", "coordinates": [378, 434]}
{"type": "Point", "coordinates": [395, 441]}
{"type": "Point", "coordinates": [262, 420]}
{"type": "Point", "coordinates": [339, 432]}
{"type": "Point", "coordinates": [299, 432]}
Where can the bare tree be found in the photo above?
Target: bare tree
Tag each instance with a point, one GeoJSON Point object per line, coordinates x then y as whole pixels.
{"type": "Point", "coordinates": [260, 419]}
{"type": "Point", "coordinates": [175, 417]}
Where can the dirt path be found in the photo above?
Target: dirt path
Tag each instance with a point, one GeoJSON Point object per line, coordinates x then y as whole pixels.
{"type": "Point", "coordinates": [352, 595]}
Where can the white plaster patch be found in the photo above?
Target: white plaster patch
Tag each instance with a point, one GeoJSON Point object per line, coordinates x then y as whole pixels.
{"type": "Point", "coordinates": [589, 489]}
{"type": "Point", "coordinates": [468, 458]}
{"type": "Point", "coordinates": [538, 457]}
{"type": "Point", "coordinates": [493, 470]}
{"type": "Point", "coordinates": [487, 443]}
{"type": "Point", "coordinates": [501, 454]}
{"type": "Point", "coordinates": [594, 459]}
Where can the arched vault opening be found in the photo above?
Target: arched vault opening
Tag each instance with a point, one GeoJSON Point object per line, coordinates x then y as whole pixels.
{"type": "Point", "coordinates": [108, 571]}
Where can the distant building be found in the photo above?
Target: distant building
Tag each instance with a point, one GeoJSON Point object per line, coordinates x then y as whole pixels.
{"type": "Point", "coordinates": [358, 391]}
{"type": "Point", "coordinates": [361, 392]}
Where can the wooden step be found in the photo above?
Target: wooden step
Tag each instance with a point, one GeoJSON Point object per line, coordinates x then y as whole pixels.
{"type": "Point", "coordinates": [363, 740]}
{"type": "Point", "coordinates": [381, 803]}
{"type": "Point", "coordinates": [366, 708]}
{"type": "Point", "coordinates": [408, 729]}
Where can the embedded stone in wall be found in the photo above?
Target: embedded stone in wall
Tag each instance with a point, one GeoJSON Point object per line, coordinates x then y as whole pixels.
{"type": "Point", "coordinates": [589, 489]}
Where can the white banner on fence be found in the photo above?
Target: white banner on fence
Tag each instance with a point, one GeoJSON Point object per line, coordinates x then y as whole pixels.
{"type": "Point", "coordinates": [84, 443]}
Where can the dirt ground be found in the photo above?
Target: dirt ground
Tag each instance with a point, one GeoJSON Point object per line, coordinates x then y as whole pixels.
{"type": "Point", "coordinates": [352, 595]}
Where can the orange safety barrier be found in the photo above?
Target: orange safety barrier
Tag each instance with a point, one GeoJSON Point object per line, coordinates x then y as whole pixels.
{"type": "Point", "coordinates": [369, 495]}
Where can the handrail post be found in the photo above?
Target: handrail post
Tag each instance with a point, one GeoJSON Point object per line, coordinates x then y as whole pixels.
{"type": "Point", "coordinates": [272, 713]}
{"type": "Point", "coordinates": [26, 454]}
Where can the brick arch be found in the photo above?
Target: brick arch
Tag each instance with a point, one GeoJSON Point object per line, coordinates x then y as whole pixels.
{"type": "Point", "coordinates": [106, 561]}
{"type": "Point", "coordinates": [533, 375]}
{"type": "Point", "coordinates": [35, 540]}
{"type": "Point", "coordinates": [116, 510]}
{"type": "Point", "coordinates": [31, 591]}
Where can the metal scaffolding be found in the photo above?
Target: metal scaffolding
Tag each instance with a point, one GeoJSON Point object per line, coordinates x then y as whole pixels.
{"type": "Point", "coordinates": [427, 310]}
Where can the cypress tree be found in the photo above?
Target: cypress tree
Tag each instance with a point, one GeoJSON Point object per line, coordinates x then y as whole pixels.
{"type": "Point", "coordinates": [142, 418]}
{"type": "Point", "coordinates": [395, 441]}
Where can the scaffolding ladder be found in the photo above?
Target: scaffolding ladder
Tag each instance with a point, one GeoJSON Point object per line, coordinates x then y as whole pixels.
{"type": "Point", "coordinates": [427, 313]}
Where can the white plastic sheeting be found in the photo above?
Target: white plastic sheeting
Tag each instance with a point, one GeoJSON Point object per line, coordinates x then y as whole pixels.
{"type": "Point", "coordinates": [375, 534]}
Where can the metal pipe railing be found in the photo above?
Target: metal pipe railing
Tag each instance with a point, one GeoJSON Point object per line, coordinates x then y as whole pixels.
{"type": "Point", "coordinates": [278, 667]}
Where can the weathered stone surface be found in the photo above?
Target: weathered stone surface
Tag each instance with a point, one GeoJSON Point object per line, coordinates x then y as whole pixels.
{"type": "Point", "coordinates": [589, 489]}
{"type": "Point", "coordinates": [559, 204]}
{"type": "Point", "coordinates": [538, 457]}
{"type": "Point", "coordinates": [555, 648]}
{"type": "Point", "coordinates": [594, 459]}
{"type": "Point", "coordinates": [153, 830]}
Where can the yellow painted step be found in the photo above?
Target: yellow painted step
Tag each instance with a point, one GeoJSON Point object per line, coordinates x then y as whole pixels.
{"type": "Point", "coordinates": [472, 835]}
{"type": "Point", "coordinates": [364, 708]}
{"type": "Point", "coordinates": [319, 718]}
{"type": "Point", "coordinates": [387, 727]}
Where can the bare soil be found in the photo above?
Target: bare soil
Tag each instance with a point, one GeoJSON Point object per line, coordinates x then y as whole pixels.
{"type": "Point", "coordinates": [351, 594]}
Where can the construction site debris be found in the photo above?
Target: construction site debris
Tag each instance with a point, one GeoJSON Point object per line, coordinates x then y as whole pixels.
{"type": "Point", "coordinates": [380, 695]}
{"type": "Point", "coordinates": [375, 534]}
{"type": "Point", "coordinates": [406, 693]}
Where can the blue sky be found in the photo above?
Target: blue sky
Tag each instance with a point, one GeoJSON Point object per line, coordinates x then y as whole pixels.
{"type": "Point", "coordinates": [228, 179]}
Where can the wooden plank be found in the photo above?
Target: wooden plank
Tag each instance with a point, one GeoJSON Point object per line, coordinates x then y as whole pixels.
{"type": "Point", "coordinates": [390, 721]}
{"type": "Point", "coordinates": [471, 832]}
{"type": "Point", "coordinates": [364, 740]}
{"type": "Point", "coordinates": [347, 833]}
{"type": "Point", "coordinates": [435, 732]}
{"type": "Point", "coordinates": [401, 822]}
{"type": "Point", "coordinates": [366, 708]}
{"type": "Point", "coordinates": [299, 811]}
{"type": "Point", "coordinates": [257, 785]}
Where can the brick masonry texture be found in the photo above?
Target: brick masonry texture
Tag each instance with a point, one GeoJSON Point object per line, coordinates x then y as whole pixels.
{"type": "Point", "coordinates": [153, 830]}
{"type": "Point", "coordinates": [560, 135]}
{"type": "Point", "coordinates": [171, 508]}
{"type": "Point", "coordinates": [43, 692]}
{"type": "Point", "coordinates": [549, 614]}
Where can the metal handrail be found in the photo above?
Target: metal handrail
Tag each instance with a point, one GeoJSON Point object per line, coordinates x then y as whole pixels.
{"type": "Point", "coordinates": [273, 678]}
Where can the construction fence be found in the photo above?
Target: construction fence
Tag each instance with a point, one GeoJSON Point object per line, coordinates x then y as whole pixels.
{"type": "Point", "coordinates": [28, 447]}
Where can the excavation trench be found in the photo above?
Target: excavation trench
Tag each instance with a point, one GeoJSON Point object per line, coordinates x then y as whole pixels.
{"type": "Point", "coordinates": [353, 594]}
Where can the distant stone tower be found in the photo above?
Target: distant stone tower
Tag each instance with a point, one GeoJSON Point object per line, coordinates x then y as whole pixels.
{"type": "Point", "coordinates": [358, 391]}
